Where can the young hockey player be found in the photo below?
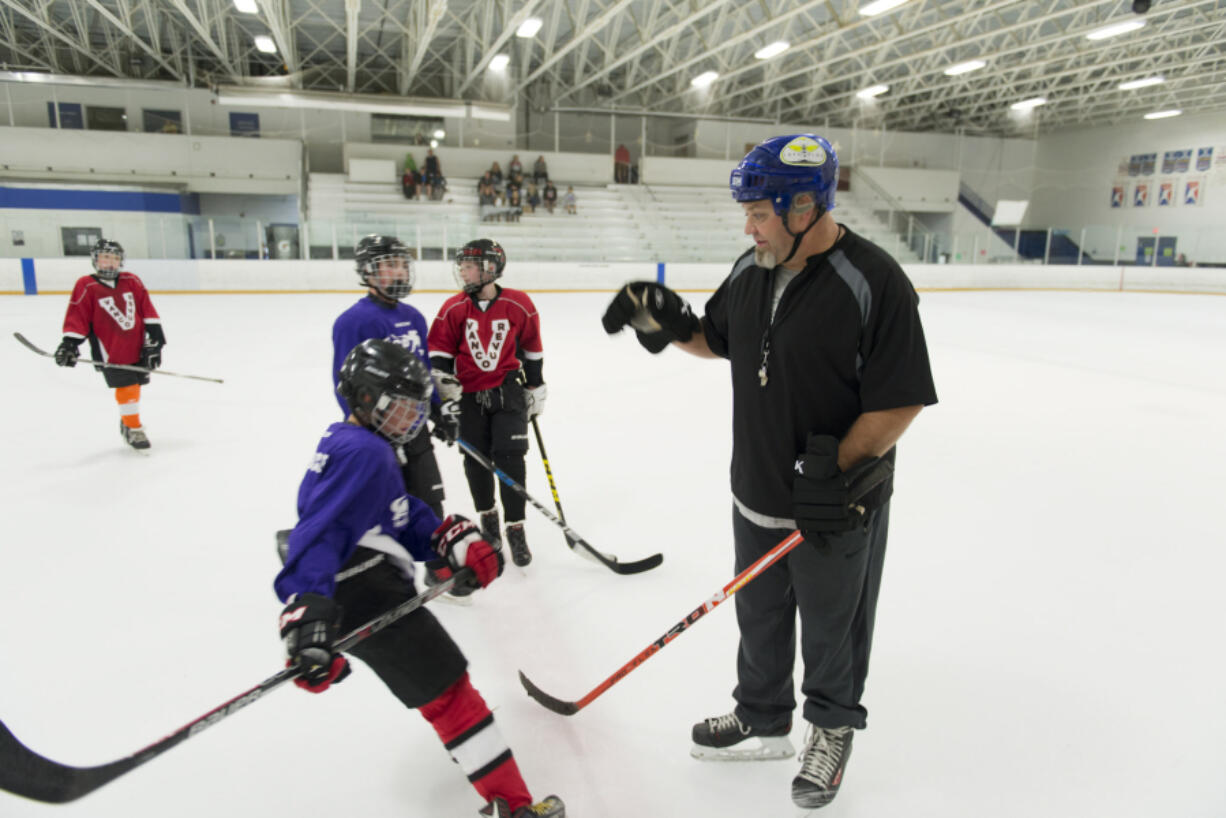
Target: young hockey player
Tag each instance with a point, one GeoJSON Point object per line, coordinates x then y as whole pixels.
{"type": "Point", "coordinates": [112, 309]}
{"type": "Point", "coordinates": [482, 334]}
{"type": "Point", "coordinates": [351, 557]}
{"type": "Point", "coordinates": [386, 268]}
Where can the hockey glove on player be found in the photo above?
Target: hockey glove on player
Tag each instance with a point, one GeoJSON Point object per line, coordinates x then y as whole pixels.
{"type": "Point", "coordinates": [446, 420]}
{"type": "Point", "coordinates": [657, 314]}
{"type": "Point", "coordinates": [534, 397]}
{"type": "Point", "coordinates": [829, 501]}
{"type": "Point", "coordinates": [459, 542]}
{"type": "Point", "coordinates": [308, 628]}
{"type": "Point", "coordinates": [151, 356]}
{"type": "Point", "coordinates": [67, 353]}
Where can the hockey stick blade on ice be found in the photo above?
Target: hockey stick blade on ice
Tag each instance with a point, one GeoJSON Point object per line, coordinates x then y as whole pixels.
{"type": "Point", "coordinates": [875, 476]}
{"type": "Point", "coordinates": [570, 708]}
{"type": "Point", "coordinates": [26, 773]}
{"type": "Point", "coordinates": [28, 345]}
{"type": "Point", "coordinates": [610, 562]}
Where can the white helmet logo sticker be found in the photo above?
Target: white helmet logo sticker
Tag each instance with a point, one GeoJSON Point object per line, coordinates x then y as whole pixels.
{"type": "Point", "coordinates": [803, 150]}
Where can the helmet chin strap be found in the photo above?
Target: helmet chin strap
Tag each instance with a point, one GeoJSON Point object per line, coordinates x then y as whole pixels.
{"type": "Point", "coordinates": [798, 237]}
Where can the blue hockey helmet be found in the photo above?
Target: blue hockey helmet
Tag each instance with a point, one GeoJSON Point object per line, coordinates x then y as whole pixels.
{"type": "Point", "coordinates": [783, 166]}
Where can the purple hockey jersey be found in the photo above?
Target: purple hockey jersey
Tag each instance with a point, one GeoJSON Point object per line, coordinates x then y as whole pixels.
{"type": "Point", "coordinates": [353, 495]}
{"type": "Point", "coordinates": [371, 318]}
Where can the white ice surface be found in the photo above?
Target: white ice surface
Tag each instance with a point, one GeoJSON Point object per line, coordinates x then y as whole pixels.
{"type": "Point", "coordinates": [1050, 639]}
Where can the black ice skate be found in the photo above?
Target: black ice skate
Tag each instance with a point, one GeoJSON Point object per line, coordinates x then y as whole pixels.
{"type": "Point", "coordinates": [520, 554]}
{"type": "Point", "coordinates": [489, 527]}
{"type": "Point", "coordinates": [134, 437]}
{"type": "Point", "coordinates": [821, 766]}
{"type": "Point", "coordinates": [727, 738]}
{"type": "Point", "coordinates": [551, 807]}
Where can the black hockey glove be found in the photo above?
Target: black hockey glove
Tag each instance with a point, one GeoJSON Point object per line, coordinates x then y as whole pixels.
{"type": "Point", "coordinates": [68, 352]}
{"type": "Point", "coordinates": [657, 314]}
{"type": "Point", "coordinates": [446, 419]}
{"type": "Point", "coordinates": [308, 628]}
{"type": "Point", "coordinates": [828, 501]}
{"type": "Point", "coordinates": [151, 356]}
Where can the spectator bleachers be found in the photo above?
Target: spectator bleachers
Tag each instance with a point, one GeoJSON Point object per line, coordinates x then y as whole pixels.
{"type": "Point", "coordinates": [613, 222]}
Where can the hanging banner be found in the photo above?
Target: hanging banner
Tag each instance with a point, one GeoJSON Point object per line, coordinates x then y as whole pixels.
{"type": "Point", "coordinates": [1191, 193]}
{"type": "Point", "coordinates": [1117, 196]}
{"type": "Point", "coordinates": [1204, 158]}
{"type": "Point", "coordinates": [1182, 160]}
{"type": "Point", "coordinates": [1166, 193]}
{"type": "Point", "coordinates": [1140, 194]}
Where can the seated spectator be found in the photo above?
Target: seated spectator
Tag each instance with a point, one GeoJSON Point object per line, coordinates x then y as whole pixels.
{"type": "Point", "coordinates": [550, 197]}
{"type": "Point", "coordinates": [634, 174]}
{"type": "Point", "coordinates": [496, 174]}
{"type": "Point", "coordinates": [485, 190]}
{"type": "Point", "coordinates": [408, 183]}
{"type": "Point", "coordinates": [568, 201]}
{"type": "Point", "coordinates": [515, 182]}
{"type": "Point", "coordinates": [514, 205]}
{"type": "Point", "coordinates": [514, 166]}
{"type": "Point", "coordinates": [540, 172]}
{"type": "Point", "coordinates": [533, 200]}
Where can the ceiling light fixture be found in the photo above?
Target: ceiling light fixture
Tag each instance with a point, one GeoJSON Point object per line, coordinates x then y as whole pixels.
{"type": "Point", "coordinates": [1029, 104]}
{"type": "Point", "coordinates": [704, 79]}
{"type": "Point", "coordinates": [872, 91]}
{"type": "Point", "coordinates": [529, 28]}
{"type": "Point", "coordinates": [1115, 29]}
{"type": "Point", "coordinates": [772, 50]}
{"type": "Point", "coordinates": [264, 43]}
{"type": "Point", "coordinates": [499, 63]}
{"type": "Point", "coordinates": [964, 67]}
{"type": "Point", "coordinates": [247, 6]}
{"type": "Point", "coordinates": [880, 7]}
{"type": "Point", "coordinates": [1163, 114]}
{"type": "Point", "coordinates": [1132, 85]}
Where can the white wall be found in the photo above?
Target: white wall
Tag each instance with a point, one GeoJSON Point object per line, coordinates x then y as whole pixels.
{"type": "Point", "coordinates": [918, 190]}
{"type": "Point", "coordinates": [57, 275]}
{"type": "Point", "coordinates": [199, 163]}
{"type": "Point", "coordinates": [1077, 170]}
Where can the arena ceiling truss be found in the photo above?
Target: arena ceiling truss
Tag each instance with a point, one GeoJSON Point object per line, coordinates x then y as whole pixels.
{"type": "Point", "coordinates": [641, 56]}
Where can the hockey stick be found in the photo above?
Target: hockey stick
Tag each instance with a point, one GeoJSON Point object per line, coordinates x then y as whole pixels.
{"type": "Point", "coordinates": [874, 477]}
{"type": "Point", "coordinates": [26, 773]}
{"type": "Point", "coordinates": [565, 708]}
{"type": "Point", "coordinates": [26, 343]}
{"type": "Point", "coordinates": [612, 563]}
{"type": "Point", "coordinates": [553, 487]}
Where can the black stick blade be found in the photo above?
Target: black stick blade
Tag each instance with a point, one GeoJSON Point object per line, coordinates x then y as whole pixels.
{"type": "Point", "coordinates": [545, 700]}
{"type": "Point", "coordinates": [24, 772]}
{"type": "Point", "coordinates": [638, 567]}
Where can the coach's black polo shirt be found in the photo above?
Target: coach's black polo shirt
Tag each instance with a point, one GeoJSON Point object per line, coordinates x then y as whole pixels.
{"type": "Point", "coordinates": [846, 339]}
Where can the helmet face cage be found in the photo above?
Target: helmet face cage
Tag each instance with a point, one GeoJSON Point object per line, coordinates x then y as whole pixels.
{"type": "Point", "coordinates": [489, 258]}
{"type": "Point", "coordinates": [784, 166]}
{"type": "Point", "coordinates": [385, 265]}
{"type": "Point", "coordinates": [106, 247]}
{"type": "Point", "coordinates": [398, 418]}
{"type": "Point", "coordinates": [387, 388]}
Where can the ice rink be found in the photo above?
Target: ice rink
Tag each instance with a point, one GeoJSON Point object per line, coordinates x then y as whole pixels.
{"type": "Point", "coordinates": [1049, 639]}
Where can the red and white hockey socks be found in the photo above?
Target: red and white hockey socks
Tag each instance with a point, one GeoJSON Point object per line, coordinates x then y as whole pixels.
{"type": "Point", "coordinates": [466, 726]}
{"type": "Point", "coordinates": [128, 398]}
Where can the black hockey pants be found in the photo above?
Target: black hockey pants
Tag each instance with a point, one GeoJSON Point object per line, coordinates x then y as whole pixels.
{"type": "Point", "coordinates": [495, 423]}
{"type": "Point", "coordinates": [834, 589]}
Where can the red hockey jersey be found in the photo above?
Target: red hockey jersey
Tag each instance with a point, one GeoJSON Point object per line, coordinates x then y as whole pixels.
{"type": "Point", "coordinates": [485, 344]}
{"type": "Point", "coordinates": [115, 316]}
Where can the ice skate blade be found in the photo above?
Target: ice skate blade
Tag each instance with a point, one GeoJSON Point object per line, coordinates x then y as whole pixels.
{"type": "Point", "coordinates": [759, 748]}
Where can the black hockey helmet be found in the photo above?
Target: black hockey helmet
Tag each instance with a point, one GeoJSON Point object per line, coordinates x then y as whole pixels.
{"type": "Point", "coordinates": [108, 246]}
{"type": "Point", "coordinates": [489, 256]}
{"type": "Point", "coordinates": [387, 388]}
{"type": "Point", "coordinates": [385, 264]}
